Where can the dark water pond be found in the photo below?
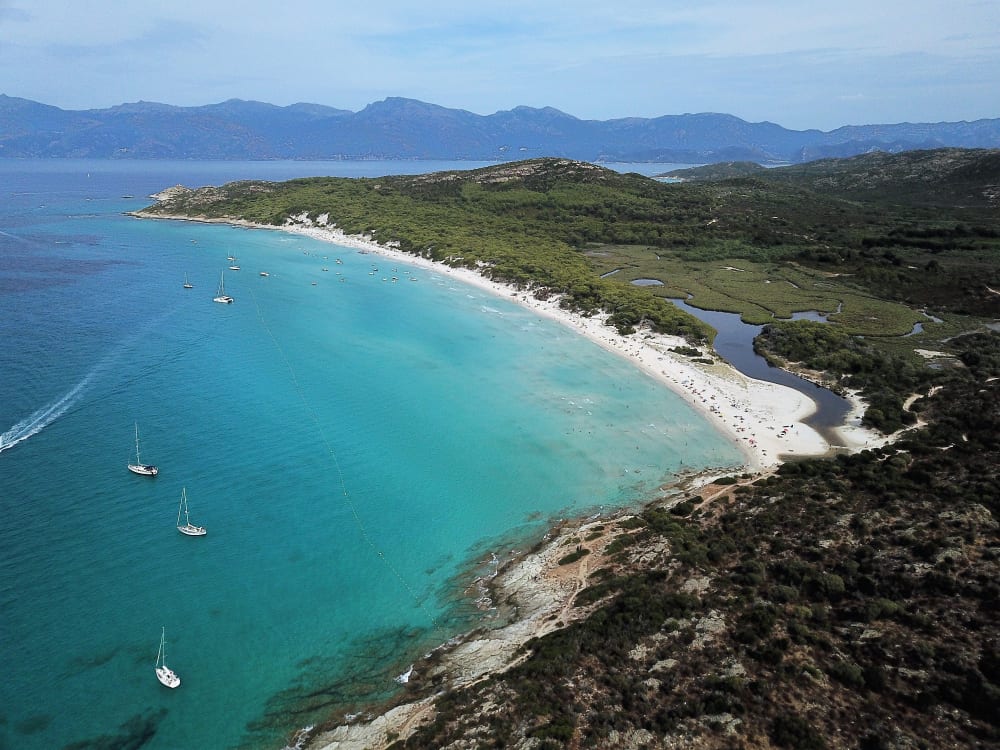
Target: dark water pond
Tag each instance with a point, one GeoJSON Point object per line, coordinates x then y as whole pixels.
{"type": "Point", "coordinates": [734, 343]}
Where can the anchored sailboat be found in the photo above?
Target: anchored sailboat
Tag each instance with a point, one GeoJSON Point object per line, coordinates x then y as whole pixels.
{"type": "Point", "coordinates": [139, 467]}
{"type": "Point", "coordinates": [165, 674]}
{"type": "Point", "coordinates": [187, 284]}
{"type": "Point", "coordinates": [222, 296]}
{"type": "Point", "coordinates": [188, 528]}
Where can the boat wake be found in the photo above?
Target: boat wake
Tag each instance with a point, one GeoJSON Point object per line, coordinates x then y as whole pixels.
{"type": "Point", "coordinates": [48, 414]}
{"type": "Point", "coordinates": [43, 417]}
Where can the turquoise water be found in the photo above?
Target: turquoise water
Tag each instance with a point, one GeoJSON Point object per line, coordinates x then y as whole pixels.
{"type": "Point", "coordinates": [355, 449]}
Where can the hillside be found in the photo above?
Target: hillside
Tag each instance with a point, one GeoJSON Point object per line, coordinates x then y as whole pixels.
{"type": "Point", "coordinates": [933, 235]}
{"type": "Point", "coordinates": [398, 128]}
{"type": "Point", "coordinates": [940, 177]}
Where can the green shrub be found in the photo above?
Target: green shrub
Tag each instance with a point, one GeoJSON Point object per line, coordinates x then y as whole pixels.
{"type": "Point", "coordinates": [792, 731]}
{"type": "Point", "coordinates": [572, 557]}
{"type": "Point", "coordinates": [848, 673]}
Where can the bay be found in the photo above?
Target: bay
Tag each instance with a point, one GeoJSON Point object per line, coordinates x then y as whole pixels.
{"type": "Point", "coordinates": [358, 450]}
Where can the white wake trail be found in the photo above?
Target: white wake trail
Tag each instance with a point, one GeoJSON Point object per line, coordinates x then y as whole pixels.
{"type": "Point", "coordinates": [43, 417]}
{"type": "Point", "coordinates": [48, 414]}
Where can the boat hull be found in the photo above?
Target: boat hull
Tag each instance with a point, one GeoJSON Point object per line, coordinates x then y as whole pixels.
{"type": "Point", "coordinates": [143, 469]}
{"type": "Point", "coordinates": [167, 677]}
{"type": "Point", "coordinates": [192, 530]}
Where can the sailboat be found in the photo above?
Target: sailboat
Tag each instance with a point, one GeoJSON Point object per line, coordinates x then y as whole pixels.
{"type": "Point", "coordinates": [222, 296]}
{"type": "Point", "coordinates": [165, 674]}
{"type": "Point", "coordinates": [187, 284]}
{"type": "Point", "coordinates": [188, 528]}
{"type": "Point", "coordinates": [235, 266]}
{"type": "Point", "coordinates": [139, 467]}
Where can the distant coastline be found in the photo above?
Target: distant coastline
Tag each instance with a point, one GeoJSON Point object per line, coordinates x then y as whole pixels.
{"type": "Point", "coordinates": [237, 129]}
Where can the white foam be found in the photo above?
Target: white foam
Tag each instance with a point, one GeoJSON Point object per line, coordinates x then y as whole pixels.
{"type": "Point", "coordinates": [43, 417]}
{"type": "Point", "coordinates": [405, 677]}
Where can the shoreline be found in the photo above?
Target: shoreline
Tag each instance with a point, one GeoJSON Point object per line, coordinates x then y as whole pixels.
{"type": "Point", "coordinates": [763, 419]}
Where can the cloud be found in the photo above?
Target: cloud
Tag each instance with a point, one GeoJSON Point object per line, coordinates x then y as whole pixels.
{"type": "Point", "coordinates": [761, 59]}
{"type": "Point", "coordinates": [17, 15]}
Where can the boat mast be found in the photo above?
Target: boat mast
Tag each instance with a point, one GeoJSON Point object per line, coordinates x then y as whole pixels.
{"type": "Point", "coordinates": [161, 655]}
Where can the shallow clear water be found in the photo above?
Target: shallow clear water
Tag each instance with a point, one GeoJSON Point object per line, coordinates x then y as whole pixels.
{"type": "Point", "coordinates": [353, 447]}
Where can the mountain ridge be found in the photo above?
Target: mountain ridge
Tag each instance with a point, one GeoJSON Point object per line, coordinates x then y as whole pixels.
{"type": "Point", "coordinates": [402, 128]}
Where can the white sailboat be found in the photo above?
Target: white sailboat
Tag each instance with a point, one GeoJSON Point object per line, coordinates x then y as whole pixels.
{"type": "Point", "coordinates": [188, 528]}
{"type": "Point", "coordinates": [222, 296]}
{"type": "Point", "coordinates": [187, 284]}
{"type": "Point", "coordinates": [139, 467]}
{"type": "Point", "coordinates": [235, 266]}
{"type": "Point", "coordinates": [165, 674]}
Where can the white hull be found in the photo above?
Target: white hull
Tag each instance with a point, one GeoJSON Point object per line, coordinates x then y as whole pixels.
{"type": "Point", "coordinates": [165, 674]}
{"type": "Point", "coordinates": [221, 296]}
{"type": "Point", "coordinates": [187, 528]}
{"type": "Point", "coordinates": [167, 677]}
{"type": "Point", "coordinates": [139, 467]}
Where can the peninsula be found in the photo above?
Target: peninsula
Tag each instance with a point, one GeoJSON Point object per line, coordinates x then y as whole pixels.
{"type": "Point", "coordinates": [684, 620]}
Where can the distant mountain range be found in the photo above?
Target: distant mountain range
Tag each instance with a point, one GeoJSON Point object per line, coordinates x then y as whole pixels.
{"type": "Point", "coordinates": [398, 128]}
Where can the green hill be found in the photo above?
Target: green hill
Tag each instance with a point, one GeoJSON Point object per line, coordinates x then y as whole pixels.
{"type": "Point", "coordinates": [941, 177]}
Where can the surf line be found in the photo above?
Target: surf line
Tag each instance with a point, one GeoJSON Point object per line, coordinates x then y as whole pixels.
{"type": "Point", "coordinates": [348, 500]}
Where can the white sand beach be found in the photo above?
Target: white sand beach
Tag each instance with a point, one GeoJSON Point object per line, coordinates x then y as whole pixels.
{"type": "Point", "coordinates": [765, 419]}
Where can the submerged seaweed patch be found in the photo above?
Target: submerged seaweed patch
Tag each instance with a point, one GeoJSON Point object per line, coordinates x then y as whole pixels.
{"type": "Point", "coordinates": [132, 734]}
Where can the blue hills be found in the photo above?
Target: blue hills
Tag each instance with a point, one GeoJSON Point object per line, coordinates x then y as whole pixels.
{"type": "Point", "coordinates": [400, 128]}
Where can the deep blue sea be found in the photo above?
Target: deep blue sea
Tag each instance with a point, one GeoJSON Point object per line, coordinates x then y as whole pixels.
{"type": "Point", "coordinates": [358, 450]}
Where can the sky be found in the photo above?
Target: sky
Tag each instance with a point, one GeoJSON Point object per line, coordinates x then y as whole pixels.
{"type": "Point", "coordinates": [798, 64]}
